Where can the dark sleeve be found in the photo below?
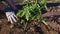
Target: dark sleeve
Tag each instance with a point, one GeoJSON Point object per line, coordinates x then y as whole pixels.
{"type": "Point", "coordinates": [2, 6]}
{"type": "Point", "coordinates": [11, 3]}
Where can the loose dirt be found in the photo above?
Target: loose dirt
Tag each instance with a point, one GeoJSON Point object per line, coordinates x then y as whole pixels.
{"type": "Point", "coordinates": [51, 16]}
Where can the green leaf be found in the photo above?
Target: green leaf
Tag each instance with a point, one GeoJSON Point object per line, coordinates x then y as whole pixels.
{"type": "Point", "coordinates": [27, 15]}
{"type": "Point", "coordinates": [18, 13]}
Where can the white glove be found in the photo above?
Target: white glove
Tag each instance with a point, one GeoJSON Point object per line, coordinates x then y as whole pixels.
{"type": "Point", "coordinates": [11, 17]}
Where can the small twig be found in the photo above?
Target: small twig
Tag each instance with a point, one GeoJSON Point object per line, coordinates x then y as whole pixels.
{"type": "Point", "coordinates": [25, 26]}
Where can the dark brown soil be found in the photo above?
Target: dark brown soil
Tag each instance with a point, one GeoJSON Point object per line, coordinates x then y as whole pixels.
{"type": "Point", "coordinates": [51, 16]}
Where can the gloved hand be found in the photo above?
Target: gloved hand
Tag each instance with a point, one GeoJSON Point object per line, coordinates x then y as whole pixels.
{"type": "Point", "coordinates": [11, 16]}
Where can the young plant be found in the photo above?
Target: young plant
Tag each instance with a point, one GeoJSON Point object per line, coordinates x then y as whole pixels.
{"type": "Point", "coordinates": [33, 11]}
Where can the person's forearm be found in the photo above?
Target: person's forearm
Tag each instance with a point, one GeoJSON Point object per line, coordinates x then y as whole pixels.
{"type": "Point", "coordinates": [11, 3]}
{"type": "Point", "coordinates": [2, 6]}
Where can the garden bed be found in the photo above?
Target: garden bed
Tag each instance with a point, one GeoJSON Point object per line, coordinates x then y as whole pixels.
{"type": "Point", "coordinates": [51, 16]}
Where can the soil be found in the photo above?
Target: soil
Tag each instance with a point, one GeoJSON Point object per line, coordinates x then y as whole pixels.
{"type": "Point", "coordinates": [51, 16]}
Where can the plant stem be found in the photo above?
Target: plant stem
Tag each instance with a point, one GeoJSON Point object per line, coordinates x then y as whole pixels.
{"type": "Point", "coordinates": [45, 22]}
